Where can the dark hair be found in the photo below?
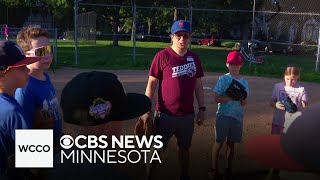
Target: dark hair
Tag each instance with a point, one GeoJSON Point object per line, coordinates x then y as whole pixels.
{"type": "Point", "coordinates": [292, 70]}
{"type": "Point", "coordinates": [26, 34]}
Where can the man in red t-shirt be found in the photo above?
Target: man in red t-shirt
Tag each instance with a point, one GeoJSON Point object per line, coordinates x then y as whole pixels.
{"type": "Point", "coordinates": [178, 72]}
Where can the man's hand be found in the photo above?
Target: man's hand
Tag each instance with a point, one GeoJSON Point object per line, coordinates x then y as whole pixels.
{"type": "Point", "coordinates": [201, 116]}
{"type": "Point", "coordinates": [147, 117]}
{"type": "Point", "coordinates": [144, 125]}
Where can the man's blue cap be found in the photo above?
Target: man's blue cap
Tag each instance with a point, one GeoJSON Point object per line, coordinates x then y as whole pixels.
{"type": "Point", "coordinates": [180, 25]}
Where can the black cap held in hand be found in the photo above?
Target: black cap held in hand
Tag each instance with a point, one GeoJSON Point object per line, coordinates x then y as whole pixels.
{"type": "Point", "coordinates": [93, 98]}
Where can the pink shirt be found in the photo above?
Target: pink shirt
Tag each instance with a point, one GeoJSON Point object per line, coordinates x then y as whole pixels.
{"type": "Point", "coordinates": [177, 79]}
{"type": "Point", "coordinates": [280, 92]}
{"type": "Point", "coordinates": [6, 30]}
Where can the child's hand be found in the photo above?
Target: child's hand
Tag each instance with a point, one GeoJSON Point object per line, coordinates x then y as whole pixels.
{"type": "Point", "coordinates": [201, 116]}
{"type": "Point", "coordinates": [280, 106]}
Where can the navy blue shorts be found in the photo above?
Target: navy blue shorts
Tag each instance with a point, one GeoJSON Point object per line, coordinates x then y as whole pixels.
{"type": "Point", "coordinates": [182, 127]}
{"type": "Point", "coordinates": [228, 127]}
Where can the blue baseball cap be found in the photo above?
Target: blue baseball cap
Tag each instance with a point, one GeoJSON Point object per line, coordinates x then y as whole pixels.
{"type": "Point", "coordinates": [180, 25]}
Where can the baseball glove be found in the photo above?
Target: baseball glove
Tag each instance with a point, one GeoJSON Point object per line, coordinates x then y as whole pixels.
{"type": "Point", "coordinates": [142, 128]}
{"type": "Point", "coordinates": [236, 91]}
{"type": "Point", "coordinates": [289, 105]}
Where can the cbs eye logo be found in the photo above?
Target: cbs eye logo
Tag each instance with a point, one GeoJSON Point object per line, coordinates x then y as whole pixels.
{"type": "Point", "coordinates": [66, 141]}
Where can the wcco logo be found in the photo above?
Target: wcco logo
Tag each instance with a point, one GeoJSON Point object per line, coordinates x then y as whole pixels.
{"type": "Point", "coordinates": [34, 148]}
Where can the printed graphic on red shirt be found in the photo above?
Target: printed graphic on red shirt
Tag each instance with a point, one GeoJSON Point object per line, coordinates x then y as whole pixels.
{"type": "Point", "coordinates": [186, 69]}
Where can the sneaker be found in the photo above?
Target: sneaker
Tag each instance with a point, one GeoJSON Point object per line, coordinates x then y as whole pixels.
{"type": "Point", "coordinates": [273, 175]}
{"type": "Point", "coordinates": [185, 177]}
{"type": "Point", "coordinates": [227, 174]}
{"type": "Point", "coordinates": [212, 174]}
{"type": "Point", "coordinates": [149, 177]}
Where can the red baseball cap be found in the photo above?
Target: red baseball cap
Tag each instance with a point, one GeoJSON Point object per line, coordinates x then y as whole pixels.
{"type": "Point", "coordinates": [11, 56]}
{"type": "Point", "coordinates": [234, 58]}
{"type": "Point", "coordinates": [296, 150]}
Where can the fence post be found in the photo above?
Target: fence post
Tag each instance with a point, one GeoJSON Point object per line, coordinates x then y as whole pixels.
{"type": "Point", "coordinates": [317, 61]}
{"type": "Point", "coordinates": [190, 17]}
{"type": "Point", "coordinates": [252, 33]}
{"type": "Point", "coordinates": [1, 32]}
{"type": "Point", "coordinates": [55, 45]}
{"type": "Point", "coordinates": [134, 11]}
{"type": "Point", "coordinates": [76, 31]}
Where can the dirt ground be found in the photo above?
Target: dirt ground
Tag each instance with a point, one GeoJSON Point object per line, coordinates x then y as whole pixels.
{"type": "Point", "coordinates": [258, 116]}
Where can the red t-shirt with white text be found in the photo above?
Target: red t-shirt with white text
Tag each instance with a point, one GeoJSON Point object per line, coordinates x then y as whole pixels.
{"type": "Point", "coordinates": [177, 78]}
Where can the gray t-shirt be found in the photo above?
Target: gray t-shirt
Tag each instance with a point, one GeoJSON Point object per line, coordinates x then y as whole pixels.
{"type": "Point", "coordinates": [280, 92]}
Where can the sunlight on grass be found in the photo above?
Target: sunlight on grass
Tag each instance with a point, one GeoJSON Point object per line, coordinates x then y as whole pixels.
{"type": "Point", "coordinates": [103, 55]}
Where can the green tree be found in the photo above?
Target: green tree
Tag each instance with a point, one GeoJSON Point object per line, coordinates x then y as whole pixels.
{"type": "Point", "coordinates": [113, 14]}
{"type": "Point", "coordinates": [59, 9]}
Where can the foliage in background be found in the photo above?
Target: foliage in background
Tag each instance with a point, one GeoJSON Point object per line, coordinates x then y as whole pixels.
{"type": "Point", "coordinates": [155, 21]}
{"type": "Point", "coordinates": [154, 18]}
{"type": "Point", "coordinates": [61, 10]}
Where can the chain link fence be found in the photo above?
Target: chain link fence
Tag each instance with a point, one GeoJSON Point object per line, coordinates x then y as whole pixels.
{"type": "Point", "coordinates": [18, 17]}
{"type": "Point", "coordinates": [270, 26]}
{"type": "Point", "coordinates": [13, 32]}
{"type": "Point", "coordinates": [286, 26]}
{"type": "Point", "coordinates": [292, 29]}
{"type": "Point", "coordinates": [287, 30]}
{"type": "Point", "coordinates": [86, 28]}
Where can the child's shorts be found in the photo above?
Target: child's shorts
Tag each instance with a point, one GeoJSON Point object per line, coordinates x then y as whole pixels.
{"type": "Point", "coordinates": [182, 127]}
{"type": "Point", "coordinates": [228, 127]}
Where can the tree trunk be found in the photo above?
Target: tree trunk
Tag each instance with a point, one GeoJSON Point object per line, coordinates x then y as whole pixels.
{"type": "Point", "coordinates": [131, 39]}
{"type": "Point", "coordinates": [149, 25]}
{"type": "Point", "coordinates": [299, 37]}
{"type": "Point", "coordinates": [175, 14]}
{"type": "Point", "coordinates": [115, 28]}
{"type": "Point", "coordinates": [115, 23]}
{"type": "Point", "coordinates": [115, 34]}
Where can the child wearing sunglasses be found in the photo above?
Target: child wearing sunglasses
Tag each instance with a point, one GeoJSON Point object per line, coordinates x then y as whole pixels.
{"type": "Point", "coordinates": [39, 94]}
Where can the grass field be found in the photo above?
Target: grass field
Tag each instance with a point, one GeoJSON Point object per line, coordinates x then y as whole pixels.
{"type": "Point", "coordinates": [103, 55]}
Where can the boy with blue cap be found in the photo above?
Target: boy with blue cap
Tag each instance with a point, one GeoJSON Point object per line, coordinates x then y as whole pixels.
{"type": "Point", "coordinates": [13, 75]}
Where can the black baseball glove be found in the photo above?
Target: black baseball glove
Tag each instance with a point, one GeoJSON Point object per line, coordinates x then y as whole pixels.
{"type": "Point", "coordinates": [289, 105]}
{"type": "Point", "coordinates": [236, 91]}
